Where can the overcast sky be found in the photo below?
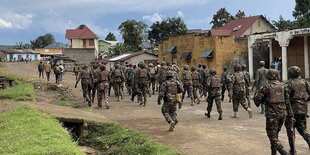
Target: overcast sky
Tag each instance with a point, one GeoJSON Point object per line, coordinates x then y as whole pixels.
{"type": "Point", "coordinates": [25, 20]}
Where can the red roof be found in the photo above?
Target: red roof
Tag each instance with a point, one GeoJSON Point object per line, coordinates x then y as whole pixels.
{"type": "Point", "coordinates": [236, 27]}
{"type": "Point", "coordinates": [81, 32]}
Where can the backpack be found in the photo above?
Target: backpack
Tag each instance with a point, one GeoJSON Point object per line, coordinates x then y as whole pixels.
{"type": "Point", "coordinates": [215, 82]}
{"type": "Point", "coordinates": [41, 67]}
{"type": "Point", "coordinates": [276, 93]}
{"type": "Point", "coordinates": [117, 72]}
{"type": "Point", "coordinates": [187, 75]}
{"type": "Point", "coordinates": [57, 70]}
{"type": "Point", "coordinates": [195, 75]}
{"type": "Point", "coordinates": [239, 78]}
{"type": "Point", "coordinates": [172, 87]}
{"type": "Point", "coordinates": [299, 89]}
{"type": "Point", "coordinates": [142, 73]}
{"type": "Point", "coordinates": [103, 76]}
{"type": "Point", "coordinates": [152, 71]}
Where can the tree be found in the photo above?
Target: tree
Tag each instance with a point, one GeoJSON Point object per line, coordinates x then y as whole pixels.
{"type": "Point", "coordinates": [21, 45]}
{"type": "Point", "coordinates": [119, 49]}
{"type": "Point", "coordinates": [221, 17]}
{"type": "Point", "coordinates": [110, 37]}
{"type": "Point", "coordinates": [169, 27]}
{"type": "Point", "coordinates": [42, 41]}
{"type": "Point", "coordinates": [240, 14]}
{"type": "Point", "coordinates": [283, 24]}
{"type": "Point", "coordinates": [302, 13]}
{"type": "Point", "coordinates": [133, 32]}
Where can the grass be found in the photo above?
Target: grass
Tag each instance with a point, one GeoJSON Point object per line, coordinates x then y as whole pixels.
{"type": "Point", "coordinates": [27, 131]}
{"type": "Point", "coordinates": [113, 139]}
{"type": "Point", "coordinates": [20, 92]}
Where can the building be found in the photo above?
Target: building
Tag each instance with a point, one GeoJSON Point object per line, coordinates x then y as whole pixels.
{"type": "Point", "coordinates": [292, 46]}
{"type": "Point", "coordinates": [52, 49]}
{"type": "Point", "coordinates": [215, 48]}
{"type": "Point", "coordinates": [133, 58]}
{"type": "Point", "coordinates": [82, 37]}
{"type": "Point", "coordinates": [14, 55]}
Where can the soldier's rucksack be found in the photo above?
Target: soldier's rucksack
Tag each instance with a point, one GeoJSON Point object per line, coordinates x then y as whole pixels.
{"type": "Point", "coordinates": [117, 72]}
{"type": "Point", "coordinates": [172, 87]}
{"type": "Point", "coordinates": [41, 67]}
{"type": "Point", "coordinates": [276, 93]}
{"type": "Point", "coordinates": [239, 78]}
{"type": "Point", "coordinates": [57, 70]}
{"type": "Point", "coordinates": [187, 75]}
{"type": "Point", "coordinates": [103, 76]}
{"type": "Point", "coordinates": [299, 89]}
{"type": "Point", "coordinates": [195, 75]}
{"type": "Point", "coordinates": [152, 71]}
{"type": "Point", "coordinates": [142, 73]}
{"type": "Point", "coordinates": [215, 82]}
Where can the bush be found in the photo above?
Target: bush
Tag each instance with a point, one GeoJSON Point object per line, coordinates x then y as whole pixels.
{"type": "Point", "coordinates": [113, 139]}
{"type": "Point", "coordinates": [28, 131]}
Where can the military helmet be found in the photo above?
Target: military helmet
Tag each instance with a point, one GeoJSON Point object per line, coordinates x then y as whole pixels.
{"type": "Point", "coordinates": [272, 74]}
{"type": "Point", "coordinates": [169, 74]}
{"type": "Point", "coordinates": [262, 63]}
{"type": "Point", "coordinates": [185, 67]}
{"type": "Point", "coordinates": [225, 68]}
{"type": "Point", "coordinates": [212, 71]}
{"type": "Point", "coordinates": [163, 63]}
{"type": "Point", "coordinates": [102, 67]}
{"type": "Point", "coordinates": [150, 65]}
{"type": "Point", "coordinates": [243, 67]}
{"type": "Point", "coordinates": [294, 71]}
{"type": "Point", "coordinates": [168, 63]}
{"type": "Point", "coordinates": [193, 68]}
{"type": "Point", "coordinates": [237, 67]}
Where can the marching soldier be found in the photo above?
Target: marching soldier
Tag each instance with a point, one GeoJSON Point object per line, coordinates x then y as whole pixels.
{"type": "Point", "coordinates": [85, 78]}
{"type": "Point", "coordinates": [118, 78]}
{"type": "Point", "coordinates": [103, 87]}
{"type": "Point", "coordinates": [142, 77]}
{"type": "Point", "coordinates": [298, 91]}
{"type": "Point", "coordinates": [169, 91]}
{"type": "Point", "coordinates": [196, 77]}
{"type": "Point", "coordinates": [238, 91]}
{"type": "Point", "coordinates": [187, 83]}
{"type": "Point", "coordinates": [260, 80]}
{"type": "Point", "coordinates": [273, 95]}
{"type": "Point", "coordinates": [152, 71]}
{"type": "Point", "coordinates": [214, 85]}
{"type": "Point", "coordinates": [247, 75]}
{"type": "Point", "coordinates": [225, 84]}
{"type": "Point", "coordinates": [94, 74]}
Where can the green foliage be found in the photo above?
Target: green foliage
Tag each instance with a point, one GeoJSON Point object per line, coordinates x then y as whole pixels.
{"type": "Point", "coordinates": [302, 13]}
{"type": "Point", "coordinates": [20, 92]}
{"type": "Point", "coordinates": [21, 45]}
{"type": "Point", "coordinates": [221, 17]}
{"type": "Point", "coordinates": [110, 37]}
{"type": "Point", "coordinates": [240, 14]}
{"type": "Point", "coordinates": [283, 24]}
{"type": "Point", "coordinates": [165, 29]}
{"type": "Point", "coordinates": [112, 139]}
{"type": "Point", "coordinates": [42, 41]}
{"type": "Point", "coordinates": [133, 33]}
{"type": "Point", "coordinates": [119, 49]}
{"type": "Point", "coordinates": [28, 131]}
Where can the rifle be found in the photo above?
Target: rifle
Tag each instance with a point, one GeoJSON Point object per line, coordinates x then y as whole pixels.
{"type": "Point", "coordinates": [253, 86]}
{"type": "Point", "coordinates": [76, 84]}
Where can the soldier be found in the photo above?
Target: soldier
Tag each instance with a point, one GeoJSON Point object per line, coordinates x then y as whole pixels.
{"type": "Point", "coordinates": [103, 87]}
{"type": "Point", "coordinates": [169, 91]}
{"type": "Point", "coordinates": [201, 72]}
{"type": "Point", "coordinates": [94, 74]}
{"type": "Point", "coordinates": [57, 71]}
{"type": "Point", "coordinates": [41, 69]}
{"type": "Point", "coordinates": [214, 85]}
{"type": "Point", "coordinates": [196, 83]}
{"type": "Point", "coordinates": [162, 73]}
{"type": "Point", "coordinates": [142, 77]}
{"type": "Point", "coordinates": [129, 78]}
{"type": "Point", "coordinates": [76, 70]}
{"type": "Point", "coordinates": [260, 80]}
{"type": "Point", "coordinates": [273, 95]}
{"type": "Point", "coordinates": [118, 78]}
{"type": "Point", "coordinates": [205, 74]}
{"type": "Point", "coordinates": [187, 83]}
{"type": "Point", "coordinates": [85, 78]}
{"type": "Point", "coordinates": [48, 69]}
{"type": "Point", "coordinates": [238, 91]}
{"type": "Point", "coordinates": [298, 91]}
{"type": "Point", "coordinates": [247, 75]}
{"type": "Point", "coordinates": [225, 84]}
{"type": "Point", "coordinates": [152, 72]}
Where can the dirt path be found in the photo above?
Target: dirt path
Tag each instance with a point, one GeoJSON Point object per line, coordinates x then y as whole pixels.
{"type": "Point", "coordinates": [195, 134]}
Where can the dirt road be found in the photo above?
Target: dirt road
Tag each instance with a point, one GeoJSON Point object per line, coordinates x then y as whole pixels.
{"type": "Point", "coordinates": [195, 134]}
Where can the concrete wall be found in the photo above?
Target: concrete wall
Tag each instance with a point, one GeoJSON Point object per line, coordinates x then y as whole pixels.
{"type": "Point", "coordinates": [78, 43]}
{"type": "Point", "coordinates": [81, 56]}
{"type": "Point", "coordinates": [224, 48]}
{"type": "Point", "coordinates": [259, 26]}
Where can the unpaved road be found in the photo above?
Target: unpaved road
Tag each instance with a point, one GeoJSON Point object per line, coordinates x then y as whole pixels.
{"type": "Point", "coordinates": [195, 134]}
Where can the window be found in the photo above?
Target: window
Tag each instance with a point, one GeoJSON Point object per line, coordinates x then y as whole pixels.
{"type": "Point", "coordinates": [84, 43]}
{"type": "Point", "coordinates": [91, 42]}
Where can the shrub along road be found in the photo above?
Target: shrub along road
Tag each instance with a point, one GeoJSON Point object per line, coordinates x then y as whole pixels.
{"type": "Point", "coordinates": [195, 134]}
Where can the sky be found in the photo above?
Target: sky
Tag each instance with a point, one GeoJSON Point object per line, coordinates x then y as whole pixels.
{"type": "Point", "coordinates": [25, 20]}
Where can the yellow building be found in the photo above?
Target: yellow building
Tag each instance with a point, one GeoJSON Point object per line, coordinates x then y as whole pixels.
{"type": "Point", "coordinates": [82, 37]}
{"type": "Point", "coordinates": [214, 48]}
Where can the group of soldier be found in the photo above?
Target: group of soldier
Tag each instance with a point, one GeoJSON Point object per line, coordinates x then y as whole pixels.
{"type": "Point", "coordinates": [282, 103]}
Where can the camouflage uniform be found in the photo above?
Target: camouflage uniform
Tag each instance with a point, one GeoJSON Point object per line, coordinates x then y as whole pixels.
{"type": "Point", "coordinates": [238, 91]}
{"type": "Point", "coordinates": [129, 78]}
{"type": "Point", "coordinates": [225, 84]}
{"type": "Point", "coordinates": [201, 72]}
{"type": "Point", "coordinates": [57, 71]}
{"type": "Point", "coordinates": [196, 77]}
{"type": "Point", "coordinates": [85, 78]}
{"type": "Point", "coordinates": [41, 69]}
{"type": "Point", "coordinates": [142, 77]}
{"type": "Point", "coordinates": [204, 76]}
{"type": "Point", "coordinates": [152, 72]}
{"type": "Point", "coordinates": [103, 86]}
{"type": "Point", "coordinates": [260, 80]}
{"type": "Point", "coordinates": [214, 85]}
{"type": "Point", "coordinates": [76, 70]}
{"type": "Point", "coordinates": [94, 74]}
{"type": "Point", "coordinates": [162, 73]}
{"type": "Point", "coordinates": [298, 91]}
{"type": "Point", "coordinates": [247, 75]}
{"type": "Point", "coordinates": [187, 83]}
{"type": "Point", "coordinates": [118, 78]}
{"type": "Point", "coordinates": [277, 107]}
{"type": "Point", "coordinates": [168, 91]}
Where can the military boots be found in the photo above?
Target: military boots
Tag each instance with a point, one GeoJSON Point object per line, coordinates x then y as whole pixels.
{"type": "Point", "coordinates": [220, 115]}
{"type": "Point", "coordinates": [250, 113]}
{"type": "Point", "coordinates": [273, 150]}
{"type": "Point", "coordinates": [281, 150]}
{"type": "Point", "coordinates": [208, 114]}
{"type": "Point", "coordinates": [235, 115]}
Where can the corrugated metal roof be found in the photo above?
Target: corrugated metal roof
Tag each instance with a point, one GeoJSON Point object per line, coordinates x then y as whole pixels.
{"type": "Point", "coordinates": [207, 53]}
{"type": "Point", "coordinates": [171, 49]}
{"type": "Point", "coordinates": [56, 45]}
{"type": "Point", "coordinates": [18, 51]}
{"type": "Point", "coordinates": [81, 32]}
{"type": "Point", "coordinates": [126, 56]}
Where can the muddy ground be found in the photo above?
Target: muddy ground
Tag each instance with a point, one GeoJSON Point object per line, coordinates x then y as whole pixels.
{"type": "Point", "coordinates": [195, 134]}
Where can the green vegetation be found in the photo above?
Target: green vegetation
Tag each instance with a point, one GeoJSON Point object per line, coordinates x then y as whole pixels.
{"type": "Point", "coordinates": [113, 139]}
{"type": "Point", "coordinates": [20, 92]}
{"type": "Point", "coordinates": [28, 131]}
